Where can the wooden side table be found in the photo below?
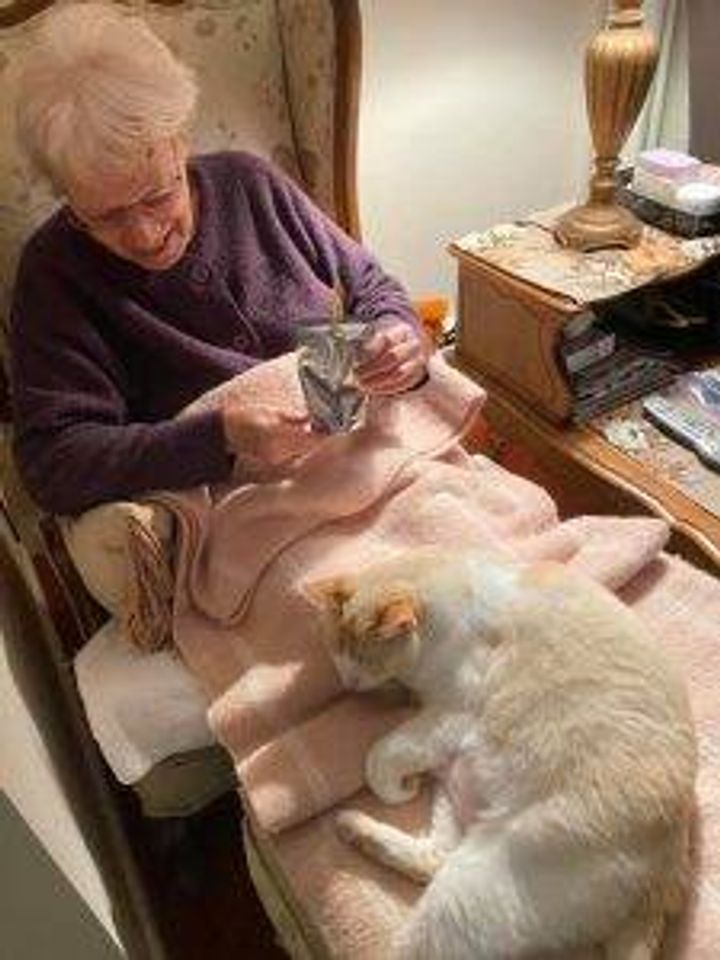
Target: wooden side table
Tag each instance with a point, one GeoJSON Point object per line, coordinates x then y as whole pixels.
{"type": "Point", "coordinates": [508, 335]}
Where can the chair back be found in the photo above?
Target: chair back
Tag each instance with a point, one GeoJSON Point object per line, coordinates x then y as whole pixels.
{"type": "Point", "coordinates": [277, 77]}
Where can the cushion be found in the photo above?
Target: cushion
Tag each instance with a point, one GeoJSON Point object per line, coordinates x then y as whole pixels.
{"type": "Point", "coordinates": [147, 714]}
{"type": "Point", "coordinates": [123, 553]}
{"type": "Point", "coordinates": [141, 707]}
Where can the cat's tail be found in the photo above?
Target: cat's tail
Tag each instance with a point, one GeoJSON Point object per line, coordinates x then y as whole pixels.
{"type": "Point", "coordinates": [510, 892]}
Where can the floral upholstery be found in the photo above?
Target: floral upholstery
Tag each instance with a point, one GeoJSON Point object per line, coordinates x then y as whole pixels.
{"type": "Point", "coordinates": [24, 203]}
{"type": "Point", "coordinates": [267, 76]}
{"type": "Point", "coordinates": [235, 48]}
{"type": "Point", "coordinates": [306, 27]}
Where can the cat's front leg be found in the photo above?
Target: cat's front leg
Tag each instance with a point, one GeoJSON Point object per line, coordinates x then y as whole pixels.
{"type": "Point", "coordinates": [411, 856]}
{"type": "Point", "coordinates": [394, 763]}
{"type": "Point", "coordinates": [416, 857]}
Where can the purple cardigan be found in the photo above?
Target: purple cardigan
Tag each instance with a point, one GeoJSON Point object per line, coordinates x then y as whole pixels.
{"type": "Point", "coordinates": [104, 353]}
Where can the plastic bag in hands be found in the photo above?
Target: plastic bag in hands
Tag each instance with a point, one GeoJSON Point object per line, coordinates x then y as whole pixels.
{"type": "Point", "coordinates": [328, 352]}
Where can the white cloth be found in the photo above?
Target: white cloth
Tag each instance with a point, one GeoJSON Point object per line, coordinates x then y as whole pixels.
{"type": "Point", "coordinates": [141, 707]}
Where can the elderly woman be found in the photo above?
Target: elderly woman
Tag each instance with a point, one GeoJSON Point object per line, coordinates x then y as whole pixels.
{"type": "Point", "coordinates": [161, 276]}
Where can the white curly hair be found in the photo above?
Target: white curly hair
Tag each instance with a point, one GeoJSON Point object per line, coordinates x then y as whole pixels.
{"type": "Point", "coordinates": [96, 90]}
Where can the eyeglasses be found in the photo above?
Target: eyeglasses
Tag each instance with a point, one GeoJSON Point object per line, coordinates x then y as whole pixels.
{"type": "Point", "coordinates": [157, 206]}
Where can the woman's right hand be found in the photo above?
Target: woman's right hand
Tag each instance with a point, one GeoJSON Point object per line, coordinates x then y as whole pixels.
{"type": "Point", "coordinates": [266, 433]}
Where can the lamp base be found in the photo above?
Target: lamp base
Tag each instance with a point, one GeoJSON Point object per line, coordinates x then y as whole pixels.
{"type": "Point", "coordinates": [598, 226]}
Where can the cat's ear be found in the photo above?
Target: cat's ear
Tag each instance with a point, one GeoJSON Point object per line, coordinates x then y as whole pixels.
{"type": "Point", "coordinates": [330, 593]}
{"type": "Point", "coordinates": [398, 616]}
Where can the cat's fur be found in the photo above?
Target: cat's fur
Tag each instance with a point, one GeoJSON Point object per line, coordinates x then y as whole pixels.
{"type": "Point", "coordinates": [561, 741]}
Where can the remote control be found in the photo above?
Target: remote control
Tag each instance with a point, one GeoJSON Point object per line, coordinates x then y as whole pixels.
{"type": "Point", "coordinates": [693, 430]}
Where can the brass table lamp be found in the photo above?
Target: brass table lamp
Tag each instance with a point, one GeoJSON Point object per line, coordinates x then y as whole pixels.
{"type": "Point", "coordinates": [619, 66]}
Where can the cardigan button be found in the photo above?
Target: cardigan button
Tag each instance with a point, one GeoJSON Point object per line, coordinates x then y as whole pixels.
{"type": "Point", "coordinates": [199, 272]}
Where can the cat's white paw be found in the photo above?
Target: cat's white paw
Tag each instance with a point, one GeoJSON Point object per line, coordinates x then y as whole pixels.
{"type": "Point", "coordinates": [352, 826]}
{"type": "Point", "coordinates": [385, 777]}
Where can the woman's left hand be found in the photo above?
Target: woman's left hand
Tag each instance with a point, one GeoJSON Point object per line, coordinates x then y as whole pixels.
{"type": "Point", "coordinates": [394, 359]}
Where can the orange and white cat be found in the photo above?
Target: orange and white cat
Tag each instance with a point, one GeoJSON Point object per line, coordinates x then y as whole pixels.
{"type": "Point", "coordinates": [561, 741]}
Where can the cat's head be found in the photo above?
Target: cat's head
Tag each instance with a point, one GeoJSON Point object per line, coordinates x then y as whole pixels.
{"type": "Point", "coordinates": [374, 636]}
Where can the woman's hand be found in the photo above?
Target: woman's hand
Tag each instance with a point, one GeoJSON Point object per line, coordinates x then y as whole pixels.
{"type": "Point", "coordinates": [394, 359]}
{"type": "Point", "coordinates": [267, 433]}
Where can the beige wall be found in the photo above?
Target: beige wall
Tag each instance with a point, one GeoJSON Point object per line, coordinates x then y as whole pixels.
{"type": "Point", "coordinates": [705, 77]}
{"type": "Point", "coordinates": [473, 112]}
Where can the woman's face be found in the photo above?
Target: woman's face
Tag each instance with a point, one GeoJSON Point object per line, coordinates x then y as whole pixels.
{"type": "Point", "coordinates": [145, 214]}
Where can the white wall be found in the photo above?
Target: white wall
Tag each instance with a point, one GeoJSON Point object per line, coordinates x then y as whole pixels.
{"type": "Point", "coordinates": [473, 112]}
{"type": "Point", "coordinates": [28, 779]}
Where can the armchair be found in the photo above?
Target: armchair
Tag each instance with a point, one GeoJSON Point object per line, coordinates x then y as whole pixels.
{"type": "Point", "coordinates": [280, 79]}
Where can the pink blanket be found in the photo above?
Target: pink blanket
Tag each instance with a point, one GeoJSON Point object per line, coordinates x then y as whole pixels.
{"type": "Point", "coordinates": [245, 627]}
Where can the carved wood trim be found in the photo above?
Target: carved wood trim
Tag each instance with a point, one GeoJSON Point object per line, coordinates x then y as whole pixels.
{"type": "Point", "coordinates": [21, 10]}
{"type": "Point", "coordinates": [348, 47]}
